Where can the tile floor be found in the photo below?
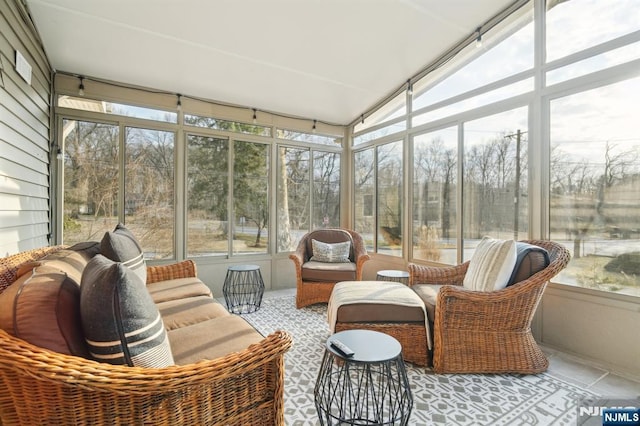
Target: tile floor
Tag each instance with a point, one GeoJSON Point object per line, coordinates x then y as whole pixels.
{"type": "Point", "coordinates": [565, 367]}
{"type": "Point", "coordinates": [573, 369]}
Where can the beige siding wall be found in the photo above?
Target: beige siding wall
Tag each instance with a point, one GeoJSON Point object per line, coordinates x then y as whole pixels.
{"type": "Point", "coordinates": [24, 135]}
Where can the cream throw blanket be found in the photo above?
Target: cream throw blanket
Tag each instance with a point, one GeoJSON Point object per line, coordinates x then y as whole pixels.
{"type": "Point", "coordinates": [392, 293]}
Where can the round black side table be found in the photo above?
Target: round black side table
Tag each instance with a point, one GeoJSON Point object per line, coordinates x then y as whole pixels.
{"type": "Point", "coordinates": [243, 289]}
{"type": "Point", "coordinates": [369, 388]}
{"type": "Point", "coordinates": [393, 275]}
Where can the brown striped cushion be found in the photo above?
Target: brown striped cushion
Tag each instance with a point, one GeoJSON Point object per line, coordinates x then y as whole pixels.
{"type": "Point", "coordinates": [43, 308]}
{"type": "Point", "coordinates": [491, 265]}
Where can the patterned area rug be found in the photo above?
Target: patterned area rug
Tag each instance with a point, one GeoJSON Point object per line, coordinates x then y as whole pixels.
{"type": "Point", "coordinates": [440, 399]}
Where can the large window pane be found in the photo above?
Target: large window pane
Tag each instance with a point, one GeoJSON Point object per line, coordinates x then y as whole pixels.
{"type": "Point", "coordinates": [230, 126]}
{"type": "Point", "coordinates": [326, 190]}
{"type": "Point", "coordinates": [149, 190]}
{"type": "Point", "coordinates": [394, 108]}
{"type": "Point", "coordinates": [468, 104]}
{"type": "Point", "coordinates": [390, 199]}
{"type": "Point", "coordinates": [250, 197]}
{"type": "Point", "coordinates": [595, 186]}
{"type": "Point", "coordinates": [207, 193]}
{"type": "Point", "coordinates": [396, 127]}
{"type": "Point", "coordinates": [294, 135]}
{"type": "Point", "coordinates": [495, 178]}
{"type": "Point", "coordinates": [435, 159]}
{"type": "Point", "coordinates": [292, 196]}
{"type": "Point", "coordinates": [575, 25]}
{"type": "Point", "coordinates": [512, 54]}
{"type": "Point", "coordinates": [95, 105]}
{"type": "Point", "coordinates": [595, 63]}
{"type": "Point", "coordinates": [90, 180]}
{"type": "Point", "coordinates": [364, 196]}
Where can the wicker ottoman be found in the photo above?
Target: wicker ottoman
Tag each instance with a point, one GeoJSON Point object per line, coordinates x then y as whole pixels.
{"type": "Point", "coordinates": [388, 307]}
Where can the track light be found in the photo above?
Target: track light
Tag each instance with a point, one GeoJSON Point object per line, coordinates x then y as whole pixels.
{"type": "Point", "coordinates": [81, 87]}
{"type": "Point", "coordinates": [255, 116]}
{"type": "Point", "coordinates": [479, 38]}
{"type": "Point", "coordinates": [179, 102]}
{"type": "Point", "coordinates": [409, 88]}
{"type": "Point", "coordinates": [313, 129]}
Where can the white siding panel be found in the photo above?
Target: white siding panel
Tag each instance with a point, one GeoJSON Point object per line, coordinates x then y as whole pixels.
{"type": "Point", "coordinates": [9, 202]}
{"type": "Point", "coordinates": [14, 219]}
{"type": "Point", "coordinates": [12, 170]}
{"type": "Point", "coordinates": [23, 151]}
{"type": "Point", "coordinates": [10, 186]}
{"type": "Point", "coordinates": [24, 136]}
{"type": "Point", "coordinates": [15, 122]}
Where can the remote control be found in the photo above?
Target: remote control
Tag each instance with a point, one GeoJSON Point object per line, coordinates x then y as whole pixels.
{"type": "Point", "coordinates": [342, 348]}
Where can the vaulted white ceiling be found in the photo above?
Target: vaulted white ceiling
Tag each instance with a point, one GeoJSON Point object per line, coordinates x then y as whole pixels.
{"type": "Point", "coordinates": [328, 60]}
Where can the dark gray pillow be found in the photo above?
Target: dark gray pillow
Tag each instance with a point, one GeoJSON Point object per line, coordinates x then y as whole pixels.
{"type": "Point", "coordinates": [122, 246]}
{"type": "Point", "coordinates": [530, 260]}
{"type": "Point", "coordinates": [121, 323]}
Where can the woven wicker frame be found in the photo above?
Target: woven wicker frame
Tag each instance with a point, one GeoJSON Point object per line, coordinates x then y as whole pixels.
{"type": "Point", "coordinates": [488, 332]}
{"type": "Point", "coordinates": [43, 387]}
{"type": "Point", "coordinates": [310, 292]}
{"type": "Point", "coordinates": [9, 265]}
{"type": "Point", "coordinates": [412, 337]}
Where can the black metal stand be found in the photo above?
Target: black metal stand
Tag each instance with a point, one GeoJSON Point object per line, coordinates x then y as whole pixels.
{"type": "Point", "coordinates": [361, 390]}
{"type": "Point", "coordinates": [243, 289]}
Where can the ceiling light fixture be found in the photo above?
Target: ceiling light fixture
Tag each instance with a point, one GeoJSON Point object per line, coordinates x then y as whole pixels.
{"type": "Point", "coordinates": [81, 87]}
{"type": "Point", "coordinates": [362, 119]}
{"type": "Point", "coordinates": [479, 38]}
{"type": "Point", "coordinates": [255, 116]}
{"type": "Point", "coordinates": [179, 102]}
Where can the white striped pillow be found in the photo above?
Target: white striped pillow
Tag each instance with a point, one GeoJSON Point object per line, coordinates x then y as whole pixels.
{"type": "Point", "coordinates": [491, 265]}
{"type": "Point", "coordinates": [122, 246]}
{"type": "Point", "coordinates": [121, 323]}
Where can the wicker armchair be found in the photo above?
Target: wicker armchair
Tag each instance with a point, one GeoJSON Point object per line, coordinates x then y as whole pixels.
{"type": "Point", "coordinates": [487, 332]}
{"type": "Point", "coordinates": [310, 291]}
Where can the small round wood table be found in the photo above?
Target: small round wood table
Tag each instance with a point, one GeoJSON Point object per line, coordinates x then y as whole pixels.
{"type": "Point", "coordinates": [369, 388]}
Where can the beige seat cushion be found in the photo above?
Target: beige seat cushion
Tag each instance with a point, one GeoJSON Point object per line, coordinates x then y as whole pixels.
{"type": "Point", "coordinates": [190, 310]}
{"type": "Point", "coordinates": [163, 291]}
{"type": "Point", "coordinates": [212, 339]}
{"type": "Point", "coordinates": [322, 271]}
{"type": "Point", "coordinates": [429, 295]}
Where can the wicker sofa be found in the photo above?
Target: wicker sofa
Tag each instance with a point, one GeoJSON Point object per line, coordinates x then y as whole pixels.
{"type": "Point", "coordinates": [225, 372]}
